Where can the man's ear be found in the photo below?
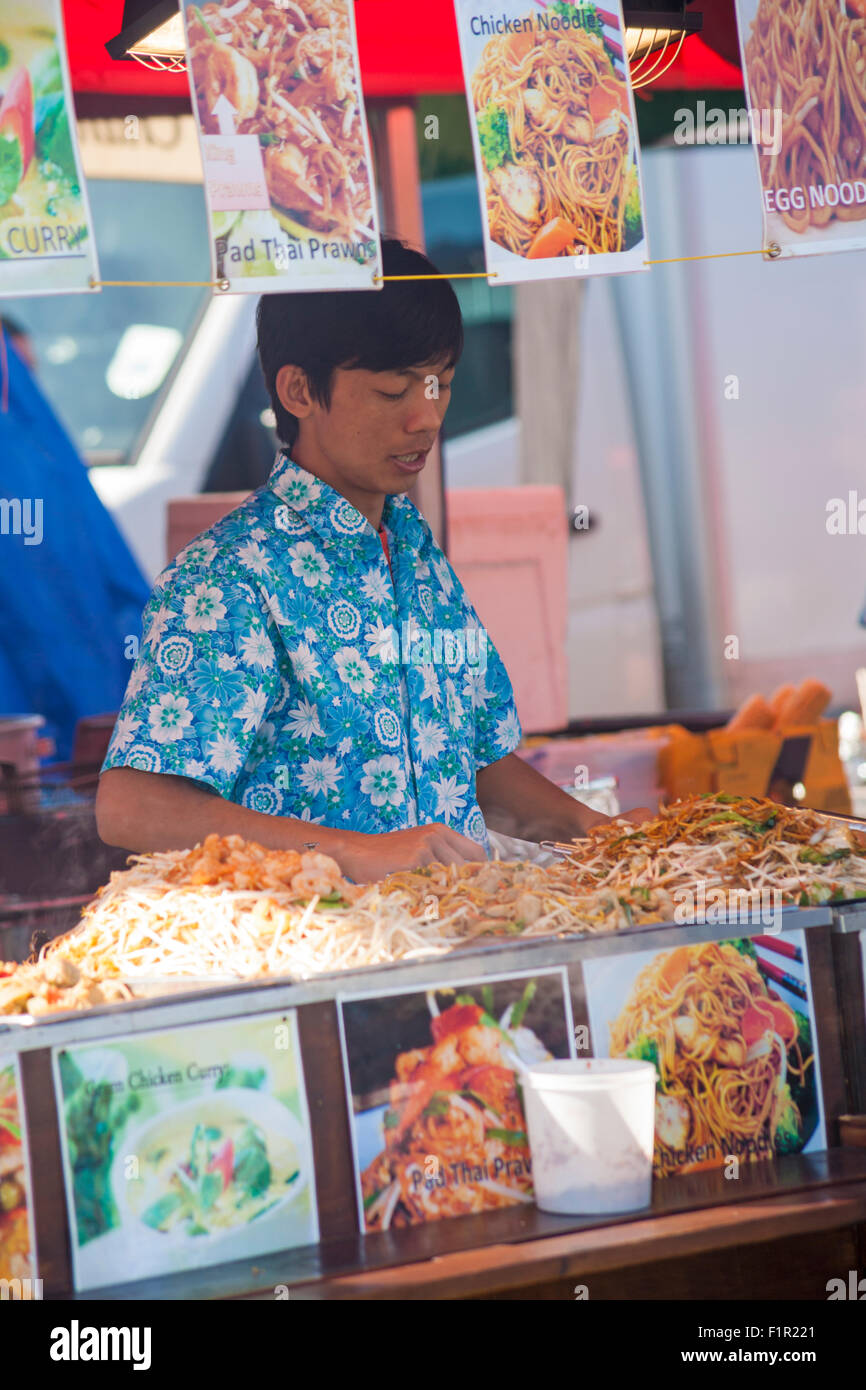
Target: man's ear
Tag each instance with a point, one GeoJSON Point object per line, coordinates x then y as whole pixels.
{"type": "Point", "coordinates": [293, 391]}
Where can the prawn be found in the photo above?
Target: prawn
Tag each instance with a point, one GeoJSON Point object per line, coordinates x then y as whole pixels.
{"type": "Point", "coordinates": [229, 74]}
{"type": "Point", "coordinates": [319, 876]}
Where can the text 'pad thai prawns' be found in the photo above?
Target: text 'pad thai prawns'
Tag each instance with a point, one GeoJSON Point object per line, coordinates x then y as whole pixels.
{"type": "Point", "coordinates": [721, 840]}
{"type": "Point", "coordinates": [455, 1132]}
{"type": "Point", "coordinates": [287, 70]}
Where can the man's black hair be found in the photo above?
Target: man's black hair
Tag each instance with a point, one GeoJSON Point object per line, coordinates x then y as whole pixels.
{"type": "Point", "coordinates": [407, 323]}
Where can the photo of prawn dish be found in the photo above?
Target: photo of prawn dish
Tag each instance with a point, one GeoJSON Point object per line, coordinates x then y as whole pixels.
{"type": "Point", "coordinates": [15, 1260]}
{"type": "Point", "coordinates": [451, 1139]}
{"type": "Point", "coordinates": [287, 73]}
{"type": "Point", "coordinates": [556, 139]}
{"type": "Point", "coordinates": [735, 1061]}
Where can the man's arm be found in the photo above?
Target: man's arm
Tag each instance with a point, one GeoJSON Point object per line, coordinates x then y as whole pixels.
{"type": "Point", "coordinates": [516, 798]}
{"type": "Point", "coordinates": [150, 811]}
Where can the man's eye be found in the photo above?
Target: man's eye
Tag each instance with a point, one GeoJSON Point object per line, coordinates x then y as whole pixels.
{"type": "Point", "coordinates": [393, 395]}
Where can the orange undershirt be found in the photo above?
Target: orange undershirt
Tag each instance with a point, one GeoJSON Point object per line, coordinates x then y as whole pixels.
{"type": "Point", "coordinates": [383, 537]}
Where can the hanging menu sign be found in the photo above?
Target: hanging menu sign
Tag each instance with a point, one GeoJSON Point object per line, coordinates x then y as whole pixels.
{"type": "Point", "coordinates": [46, 232]}
{"type": "Point", "coordinates": [730, 1028]}
{"type": "Point", "coordinates": [186, 1148]}
{"type": "Point", "coordinates": [554, 132]}
{"type": "Point", "coordinates": [803, 62]}
{"type": "Point", "coordinates": [284, 142]}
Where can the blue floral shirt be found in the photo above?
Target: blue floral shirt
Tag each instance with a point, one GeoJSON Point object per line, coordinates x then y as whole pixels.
{"type": "Point", "coordinates": [283, 666]}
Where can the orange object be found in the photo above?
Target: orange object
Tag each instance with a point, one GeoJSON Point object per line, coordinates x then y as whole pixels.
{"type": "Point", "coordinates": [779, 698]}
{"type": "Point", "coordinates": [824, 777]}
{"type": "Point", "coordinates": [686, 766]}
{"type": "Point", "coordinates": [806, 705]}
{"type": "Point", "coordinates": [675, 968]}
{"type": "Point", "coordinates": [743, 759]}
{"type": "Point", "coordinates": [552, 238]}
{"type": "Point", "coordinates": [754, 713]}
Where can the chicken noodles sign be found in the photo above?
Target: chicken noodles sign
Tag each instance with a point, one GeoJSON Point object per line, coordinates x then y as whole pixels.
{"type": "Point", "coordinates": [285, 147]}
{"type": "Point", "coordinates": [554, 133]}
{"type": "Point", "coordinates": [46, 236]}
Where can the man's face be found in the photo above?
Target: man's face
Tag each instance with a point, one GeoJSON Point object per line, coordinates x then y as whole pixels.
{"type": "Point", "coordinates": [375, 436]}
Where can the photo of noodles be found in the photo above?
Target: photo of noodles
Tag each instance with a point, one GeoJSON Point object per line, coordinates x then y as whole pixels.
{"type": "Point", "coordinates": [286, 73]}
{"type": "Point", "coordinates": [735, 1061]}
{"type": "Point", "coordinates": [450, 1138]}
{"type": "Point", "coordinates": [807, 59]}
{"type": "Point", "coordinates": [552, 113]}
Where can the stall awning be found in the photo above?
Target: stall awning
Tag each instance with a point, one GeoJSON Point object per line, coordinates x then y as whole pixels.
{"type": "Point", "coordinates": [406, 50]}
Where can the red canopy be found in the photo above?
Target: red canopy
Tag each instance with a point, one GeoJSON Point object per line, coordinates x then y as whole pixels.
{"type": "Point", "coordinates": [405, 50]}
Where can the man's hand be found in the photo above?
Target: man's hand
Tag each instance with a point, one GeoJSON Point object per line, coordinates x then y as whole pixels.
{"type": "Point", "coordinates": [638, 815]}
{"type": "Point", "coordinates": [366, 858]}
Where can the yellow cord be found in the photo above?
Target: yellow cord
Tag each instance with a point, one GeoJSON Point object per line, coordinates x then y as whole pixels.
{"type": "Point", "coordinates": [458, 275]}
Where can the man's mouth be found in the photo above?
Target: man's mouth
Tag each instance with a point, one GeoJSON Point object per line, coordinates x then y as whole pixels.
{"type": "Point", "coordinates": [410, 463]}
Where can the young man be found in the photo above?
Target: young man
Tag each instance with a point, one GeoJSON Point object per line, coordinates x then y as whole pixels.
{"type": "Point", "coordinates": [311, 669]}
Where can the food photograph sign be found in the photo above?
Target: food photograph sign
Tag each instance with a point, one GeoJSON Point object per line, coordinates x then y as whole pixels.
{"type": "Point", "coordinates": [803, 70]}
{"type": "Point", "coordinates": [435, 1102]}
{"type": "Point", "coordinates": [46, 233]}
{"type": "Point", "coordinates": [555, 138]}
{"type": "Point", "coordinates": [185, 1149]}
{"type": "Point", "coordinates": [285, 147]}
{"type": "Point", "coordinates": [17, 1243]}
{"type": "Point", "coordinates": [730, 1028]}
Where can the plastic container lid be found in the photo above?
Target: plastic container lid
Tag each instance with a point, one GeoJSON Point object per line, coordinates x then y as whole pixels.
{"type": "Point", "coordinates": [591, 1073]}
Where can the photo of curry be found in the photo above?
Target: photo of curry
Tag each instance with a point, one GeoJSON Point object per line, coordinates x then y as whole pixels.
{"type": "Point", "coordinates": [41, 207]}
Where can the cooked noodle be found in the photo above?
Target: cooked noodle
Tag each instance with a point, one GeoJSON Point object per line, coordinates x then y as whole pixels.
{"type": "Point", "coordinates": [287, 71]}
{"type": "Point", "coordinates": [726, 1053]}
{"type": "Point", "coordinates": [572, 165]}
{"type": "Point", "coordinates": [808, 59]}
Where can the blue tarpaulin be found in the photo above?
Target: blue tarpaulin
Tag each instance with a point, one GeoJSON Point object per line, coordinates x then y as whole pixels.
{"type": "Point", "coordinates": [71, 594]}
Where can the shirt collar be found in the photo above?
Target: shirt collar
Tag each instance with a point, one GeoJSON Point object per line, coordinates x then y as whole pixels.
{"type": "Point", "coordinates": [332, 517]}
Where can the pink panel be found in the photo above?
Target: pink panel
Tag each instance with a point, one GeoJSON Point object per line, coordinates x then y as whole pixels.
{"type": "Point", "coordinates": [189, 516]}
{"type": "Point", "coordinates": [510, 548]}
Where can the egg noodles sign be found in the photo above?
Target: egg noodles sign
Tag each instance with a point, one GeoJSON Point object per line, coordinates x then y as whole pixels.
{"type": "Point", "coordinates": [287, 169]}
{"type": "Point", "coordinates": [805, 60]}
{"type": "Point", "coordinates": [46, 235]}
{"type": "Point", "coordinates": [554, 134]}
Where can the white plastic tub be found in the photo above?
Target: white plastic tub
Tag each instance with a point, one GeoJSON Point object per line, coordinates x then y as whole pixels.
{"type": "Point", "coordinates": [591, 1127]}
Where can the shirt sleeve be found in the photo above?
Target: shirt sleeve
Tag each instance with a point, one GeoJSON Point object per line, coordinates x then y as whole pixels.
{"type": "Point", "coordinates": [497, 727]}
{"type": "Point", "coordinates": [203, 682]}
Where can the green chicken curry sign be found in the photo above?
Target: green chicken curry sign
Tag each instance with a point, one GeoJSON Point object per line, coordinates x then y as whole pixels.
{"type": "Point", "coordinates": [46, 234]}
{"type": "Point", "coordinates": [184, 1149]}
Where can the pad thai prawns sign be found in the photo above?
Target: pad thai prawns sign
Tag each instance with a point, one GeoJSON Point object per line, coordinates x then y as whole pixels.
{"type": "Point", "coordinates": [730, 1027]}
{"type": "Point", "coordinates": [285, 147]}
{"type": "Point", "coordinates": [46, 232]}
{"type": "Point", "coordinates": [555, 138]}
{"type": "Point", "coordinates": [435, 1104]}
{"type": "Point", "coordinates": [186, 1148]}
{"type": "Point", "coordinates": [17, 1243]}
{"type": "Point", "coordinates": [804, 65]}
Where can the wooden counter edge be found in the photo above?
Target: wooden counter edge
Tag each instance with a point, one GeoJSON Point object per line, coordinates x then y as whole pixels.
{"type": "Point", "coordinates": [578, 1254]}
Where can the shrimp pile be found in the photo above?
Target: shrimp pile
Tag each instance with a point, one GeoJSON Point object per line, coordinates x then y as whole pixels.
{"type": "Point", "coordinates": [53, 986]}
